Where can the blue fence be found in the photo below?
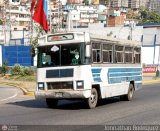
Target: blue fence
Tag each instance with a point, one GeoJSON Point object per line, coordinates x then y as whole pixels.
{"type": "Point", "coordinates": [17, 55]}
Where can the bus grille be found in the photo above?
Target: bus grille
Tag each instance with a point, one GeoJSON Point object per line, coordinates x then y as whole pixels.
{"type": "Point", "coordinates": [59, 85]}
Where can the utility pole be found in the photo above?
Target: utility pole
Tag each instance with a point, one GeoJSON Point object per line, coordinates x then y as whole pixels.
{"type": "Point", "coordinates": [131, 26]}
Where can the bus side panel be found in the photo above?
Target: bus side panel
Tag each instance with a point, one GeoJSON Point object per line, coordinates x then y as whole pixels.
{"type": "Point", "coordinates": [115, 81]}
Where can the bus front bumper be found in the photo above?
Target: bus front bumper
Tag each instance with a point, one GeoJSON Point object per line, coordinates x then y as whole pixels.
{"type": "Point", "coordinates": [63, 94]}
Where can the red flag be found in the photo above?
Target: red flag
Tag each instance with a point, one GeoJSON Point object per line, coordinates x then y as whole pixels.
{"type": "Point", "coordinates": [40, 16]}
{"type": "Point", "coordinates": [32, 5]}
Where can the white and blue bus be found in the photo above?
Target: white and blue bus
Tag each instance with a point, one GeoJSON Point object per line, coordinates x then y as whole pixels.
{"type": "Point", "coordinates": [79, 65]}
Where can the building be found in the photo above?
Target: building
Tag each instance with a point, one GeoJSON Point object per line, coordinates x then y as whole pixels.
{"type": "Point", "coordinates": [16, 16]}
{"type": "Point", "coordinates": [114, 21]}
{"type": "Point", "coordinates": [81, 15]}
{"type": "Point", "coordinates": [1, 9]}
{"type": "Point", "coordinates": [74, 1]}
{"type": "Point", "coordinates": [55, 14]}
{"type": "Point", "coordinates": [19, 17]}
{"type": "Point", "coordinates": [154, 5]}
{"type": "Point", "coordinates": [95, 2]}
{"type": "Point", "coordinates": [119, 3]}
{"type": "Point", "coordinates": [1, 2]}
{"type": "Point", "coordinates": [135, 4]}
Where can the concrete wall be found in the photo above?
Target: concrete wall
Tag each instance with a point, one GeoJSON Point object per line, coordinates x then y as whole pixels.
{"type": "Point", "coordinates": [150, 55]}
{"type": "Point", "coordinates": [4, 34]}
{"type": "Point", "coordinates": [151, 46]}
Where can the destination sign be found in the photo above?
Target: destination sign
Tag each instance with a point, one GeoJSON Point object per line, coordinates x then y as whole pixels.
{"type": "Point", "coordinates": [60, 37]}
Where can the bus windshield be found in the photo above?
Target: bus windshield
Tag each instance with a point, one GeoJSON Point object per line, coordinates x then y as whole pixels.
{"type": "Point", "coordinates": [59, 55]}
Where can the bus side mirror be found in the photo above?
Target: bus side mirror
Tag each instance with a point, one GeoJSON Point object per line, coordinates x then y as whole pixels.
{"type": "Point", "coordinates": [88, 51]}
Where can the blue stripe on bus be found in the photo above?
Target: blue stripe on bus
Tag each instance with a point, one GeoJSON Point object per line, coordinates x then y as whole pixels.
{"type": "Point", "coordinates": [117, 75]}
{"type": "Point", "coordinates": [96, 70]}
{"type": "Point", "coordinates": [124, 74]}
{"type": "Point", "coordinates": [125, 69]}
{"type": "Point", "coordinates": [96, 75]}
{"type": "Point", "coordinates": [120, 79]}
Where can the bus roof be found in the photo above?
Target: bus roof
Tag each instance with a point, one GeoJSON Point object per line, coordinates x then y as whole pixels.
{"type": "Point", "coordinates": [118, 41]}
{"type": "Point", "coordinates": [63, 38]}
{"type": "Point", "coordinates": [79, 36]}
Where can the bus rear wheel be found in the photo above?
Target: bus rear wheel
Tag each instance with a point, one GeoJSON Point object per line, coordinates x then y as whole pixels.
{"type": "Point", "coordinates": [93, 99]}
{"type": "Point", "coordinates": [51, 103]}
{"type": "Point", "coordinates": [130, 94]}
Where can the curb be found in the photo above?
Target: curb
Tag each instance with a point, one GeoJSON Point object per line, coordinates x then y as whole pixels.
{"type": "Point", "coordinates": [32, 93]}
{"type": "Point", "coordinates": [147, 82]}
{"type": "Point", "coordinates": [24, 90]}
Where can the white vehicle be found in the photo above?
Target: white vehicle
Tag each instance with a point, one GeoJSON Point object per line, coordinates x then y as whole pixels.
{"type": "Point", "coordinates": [79, 65]}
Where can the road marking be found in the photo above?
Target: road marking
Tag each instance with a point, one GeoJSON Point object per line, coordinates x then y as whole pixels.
{"type": "Point", "coordinates": [9, 97]}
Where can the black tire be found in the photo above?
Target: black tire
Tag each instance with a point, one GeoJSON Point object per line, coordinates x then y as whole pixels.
{"type": "Point", "coordinates": [92, 101]}
{"type": "Point", "coordinates": [130, 94]}
{"type": "Point", "coordinates": [51, 103]}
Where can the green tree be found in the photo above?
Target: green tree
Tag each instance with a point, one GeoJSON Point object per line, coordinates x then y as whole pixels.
{"type": "Point", "coordinates": [146, 16]}
{"type": "Point", "coordinates": [1, 22]}
{"type": "Point", "coordinates": [34, 40]}
{"type": "Point", "coordinates": [4, 68]}
{"type": "Point", "coordinates": [107, 2]}
{"type": "Point", "coordinates": [86, 2]}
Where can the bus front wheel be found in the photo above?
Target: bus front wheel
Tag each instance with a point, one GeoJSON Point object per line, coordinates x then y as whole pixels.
{"type": "Point", "coordinates": [93, 99]}
{"type": "Point", "coordinates": [51, 103]}
{"type": "Point", "coordinates": [130, 94]}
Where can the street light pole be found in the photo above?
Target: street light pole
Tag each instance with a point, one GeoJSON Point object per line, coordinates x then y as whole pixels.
{"type": "Point", "coordinates": [131, 26]}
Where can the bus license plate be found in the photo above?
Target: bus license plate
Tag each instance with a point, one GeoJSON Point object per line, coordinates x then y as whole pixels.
{"type": "Point", "coordinates": [59, 94]}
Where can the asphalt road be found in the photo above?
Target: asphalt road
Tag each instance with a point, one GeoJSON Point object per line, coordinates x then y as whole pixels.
{"type": "Point", "coordinates": [7, 93]}
{"type": "Point", "coordinates": [25, 110]}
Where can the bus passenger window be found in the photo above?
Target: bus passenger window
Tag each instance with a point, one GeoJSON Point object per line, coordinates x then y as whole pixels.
{"type": "Point", "coordinates": [119, 54]}
{"type": "Point", "coordinates": [98, 56]}
{"type": "Point", "coordinates": [128, 54]}
{"type": "Point", "coordinates": [96, 52]}
{"type": "Point", "coordinates": [107, 53]}
{"type": "Point", "coordinates": [137, 55]}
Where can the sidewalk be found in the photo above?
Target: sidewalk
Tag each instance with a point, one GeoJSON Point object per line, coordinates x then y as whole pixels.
{"type": "Point", "coordinates": [29, 88]}
{"type": "Point", "coordinates": [150, 80]}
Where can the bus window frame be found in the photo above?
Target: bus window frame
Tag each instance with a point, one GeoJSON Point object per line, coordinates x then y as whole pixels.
{"type": "Point", "coordinates": [104, 50]}
{"type": "Point", "coordinates": [135, 53]}
{"type": "Point", "coordinates": [115, 52]}
{"type": "Point", "coordinates": [100, 49]}
{"type": "Point", "coordinates": [126, 51]}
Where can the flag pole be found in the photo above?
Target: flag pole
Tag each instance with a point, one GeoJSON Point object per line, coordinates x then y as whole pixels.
{"type": "Point", "coordinates": [50, 18]}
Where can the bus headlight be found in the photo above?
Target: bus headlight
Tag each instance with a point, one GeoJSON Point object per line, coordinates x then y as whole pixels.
{"type": "Point", "coordinates": [40, 85]}
{"type": "Point", "coordinates": [80, 84]}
